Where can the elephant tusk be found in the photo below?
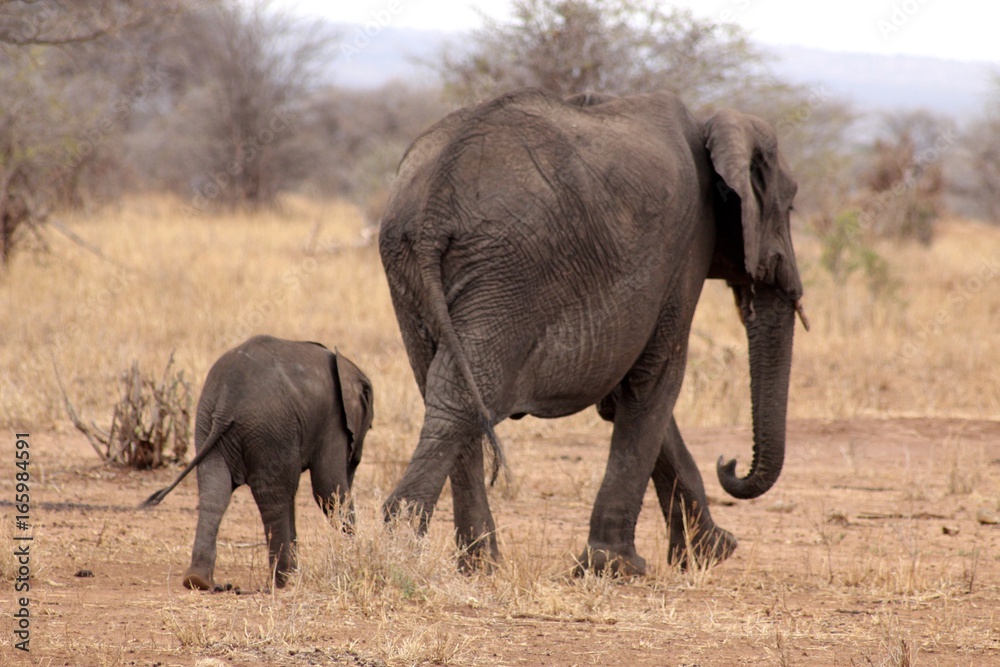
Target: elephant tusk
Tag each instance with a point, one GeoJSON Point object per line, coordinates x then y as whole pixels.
{"type": "Point", "coordinates": [802, 313]}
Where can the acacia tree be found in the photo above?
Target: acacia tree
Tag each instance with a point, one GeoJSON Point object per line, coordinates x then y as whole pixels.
{"type": "Point", "coordinates": [978, 174]}
{"type": "Point", "coordinates": [635, 46]}
{"type": "Point", "coordinates": [249, 69]}
{"type": "Point", "coordinates": [62, 100]}
{"type": "Point", "coordinates": [616, 46]}
{"type": "Point", "coordinates": [982, 180]}
{"type": "Point", "coordinates": [904, 183]}
{"type": "Point", "coordinates": [60, 23]}
{"type": "Point", "coordinates": [360, 136]}
{"type": "Point", "coordinates": [99, 97]}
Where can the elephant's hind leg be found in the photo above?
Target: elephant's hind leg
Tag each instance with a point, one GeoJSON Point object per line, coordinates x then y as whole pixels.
{"type": "Point", "coordinates": [475, 531]}
{"type": "Point", "coordinates": [451, 426]}
{"type": "Point", "coordinates": [215, 488]}
{"type": "Point", "coordinates": [694, 537]}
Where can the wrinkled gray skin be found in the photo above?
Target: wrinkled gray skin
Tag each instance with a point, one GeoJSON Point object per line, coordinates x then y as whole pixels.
{"type": "Point", "coordinates": [270, 410]}
{"type": "Point", "coordinates": [546, 255]}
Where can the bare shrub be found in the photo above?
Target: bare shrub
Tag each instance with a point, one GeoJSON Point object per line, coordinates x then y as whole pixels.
{"type": "Point", "coordinates": [904, 185]}
{"type": "Point", "coordinates": [150, 424]}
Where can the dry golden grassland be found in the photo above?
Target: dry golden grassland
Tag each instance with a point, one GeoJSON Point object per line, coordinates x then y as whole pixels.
{"type": "Point", "coordinates": [199, 285]}
{"type": "Point", "coordinates": [892, 438]}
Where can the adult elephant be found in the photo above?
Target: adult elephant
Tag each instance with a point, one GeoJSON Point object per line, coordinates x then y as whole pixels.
{"type": "Point", "coordinates": [544, 255]}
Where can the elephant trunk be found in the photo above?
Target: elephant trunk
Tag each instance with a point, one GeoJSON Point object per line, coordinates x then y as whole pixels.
{"type": "Point", "coordinates": [769, 317]}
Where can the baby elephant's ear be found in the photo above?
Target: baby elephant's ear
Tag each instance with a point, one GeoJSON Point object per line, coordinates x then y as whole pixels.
{"type": "Point", "coordinates": [356, 397]}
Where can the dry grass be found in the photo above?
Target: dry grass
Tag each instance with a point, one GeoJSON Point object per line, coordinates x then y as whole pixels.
{"type": "Point", "coordinates": [812, 583]}
{"type": "Point", "coordinates": [925, 349]}
{"type": "Point", "coordinates": [201, 285]}
{"type": "Point", "coordinates": [198, 287]}
{"type": "Point", "coordinates": [801, 590]}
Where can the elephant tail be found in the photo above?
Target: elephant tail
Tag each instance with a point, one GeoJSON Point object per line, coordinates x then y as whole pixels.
{"type": "Point", "coordinates": [219, 427]}
{"type": "Point", "coordinates": [430, 271]}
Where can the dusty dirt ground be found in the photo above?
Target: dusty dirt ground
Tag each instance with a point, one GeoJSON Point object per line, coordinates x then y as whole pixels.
{"type": "Point", "coordinates": [875, 548]}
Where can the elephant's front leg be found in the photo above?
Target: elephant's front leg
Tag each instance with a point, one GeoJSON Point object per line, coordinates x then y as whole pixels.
{"type": "Point", "coordinates": [681, 492]}
{"type": "Point", "coordinates": [641, 408]}
{"type": "Point", "coordinates": [475, 531]}
{"type": "Point", "coordinates": [277, 511]}
{"type": "Point", "coordinates": [329, 482]}
{"type": "Point", "coordinates": [634, 448]}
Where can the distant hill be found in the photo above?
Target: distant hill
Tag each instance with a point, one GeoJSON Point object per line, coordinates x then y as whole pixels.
{"type": "Point", "coordinates": [389, 55]}
{"type": "Point", "coordinates": [872, 82]}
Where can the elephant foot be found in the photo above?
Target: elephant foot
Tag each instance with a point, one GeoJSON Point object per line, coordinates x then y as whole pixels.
{"type": "Point", "coordinates": [281, 579]}
{"type": "Point", "coordinates": [477, 561]}
{"type": "Point", "coordinates": [198, 580]}
{"type": "Point", "coordinates": [481, 556]}
{"type": "Point", "coordinates": [397, 511]}
{"type": "Point", "coordinates": [615, 563]}
{"type": "Point", "coordinates": [701, 550]}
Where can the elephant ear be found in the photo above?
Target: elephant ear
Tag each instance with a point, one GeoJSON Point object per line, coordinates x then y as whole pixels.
{"type": "Point", "coordinates": [744, 154]}
{"type": "Point", "coordinates": [356, 399]}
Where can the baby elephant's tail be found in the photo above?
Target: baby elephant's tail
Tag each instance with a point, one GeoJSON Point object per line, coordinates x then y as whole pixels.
{"type": "Point", "coordinates": [218, 428]}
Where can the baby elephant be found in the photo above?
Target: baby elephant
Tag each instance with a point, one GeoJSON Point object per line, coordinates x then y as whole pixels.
{"type": "Point", "coordinates": [271, 409]}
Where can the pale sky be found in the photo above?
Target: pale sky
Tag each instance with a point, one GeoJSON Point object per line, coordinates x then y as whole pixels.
{"type": "Point", "coordinates": [958, 29]}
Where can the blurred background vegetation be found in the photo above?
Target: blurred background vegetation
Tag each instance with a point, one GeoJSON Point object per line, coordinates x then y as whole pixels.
{"type": "Point", "coordinates": [229, 105]}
